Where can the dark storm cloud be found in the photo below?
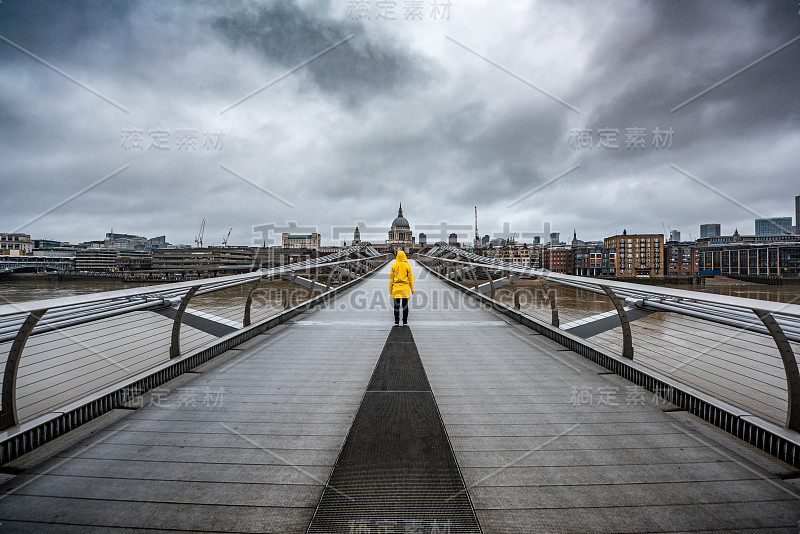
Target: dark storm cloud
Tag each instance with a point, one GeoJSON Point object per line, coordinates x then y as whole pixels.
{"type": "Point", "coordinates": [62, 30]}
{"type": "Point", "coordinates": [283, 32]}
{"type": "Point", "coordinates": [672, 51]}
{"type": "Point", "coordinates": [461, 151]}
{"type": "Point", "coordinates": [658, 56]}
{"type": "Point", "coordinates": [368, 127]}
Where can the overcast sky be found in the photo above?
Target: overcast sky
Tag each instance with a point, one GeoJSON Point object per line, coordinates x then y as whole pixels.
{"type": "Point", "coordinates": [146, 117]}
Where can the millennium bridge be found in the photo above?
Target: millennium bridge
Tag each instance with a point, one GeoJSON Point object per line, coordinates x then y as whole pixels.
{"type": "Point", "coordinates": [283, 400]}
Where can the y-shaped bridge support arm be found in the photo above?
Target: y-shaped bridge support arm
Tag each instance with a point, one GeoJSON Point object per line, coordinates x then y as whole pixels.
{"type": "Point", "coordinates": [627, 340]}
{"type": "Point", "coordinates": [789, 366]}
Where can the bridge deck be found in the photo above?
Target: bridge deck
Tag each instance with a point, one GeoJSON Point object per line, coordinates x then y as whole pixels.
{"type": "Point", "coordinates": [545, 441]}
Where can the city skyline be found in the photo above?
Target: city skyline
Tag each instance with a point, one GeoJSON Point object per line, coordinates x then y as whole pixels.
{"type": "Point", "coordinates": [148, 117]}
{"type": "Point", "coordinates": [442, 229]}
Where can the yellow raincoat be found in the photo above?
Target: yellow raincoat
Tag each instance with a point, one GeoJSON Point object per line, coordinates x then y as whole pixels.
{"type": "Point", "coordinates": [401, 279]}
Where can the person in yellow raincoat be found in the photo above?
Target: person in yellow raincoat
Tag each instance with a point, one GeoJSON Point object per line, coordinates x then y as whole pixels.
{"type": "Point", "coordinates": [401, 286]}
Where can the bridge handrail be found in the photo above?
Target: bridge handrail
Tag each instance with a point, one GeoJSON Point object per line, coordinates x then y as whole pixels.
{"type": "Point", "coordinates": [640, 290]}
{"type": "Point", "coordinates": [177, 288]}
{"type": "Point", "coordinates": [780, 321]}
{"type": "Point", "coordinates": [125, 301]}
{"type": "Point", "coordinates": [20, 321]}
{"type": "Point", "coordinates": [789, 314]}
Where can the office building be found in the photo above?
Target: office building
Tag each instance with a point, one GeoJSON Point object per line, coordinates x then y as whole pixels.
{"type": "Point", "coordinates": [133, 260]}
{"type": "Point", "coordinates": [157, 242]}
{"type": "Point", "coordinates": [748, 239]}
{"type": "Point", "coordinates": [96, 259]}
{"type": "Point", "coordinates": [452, 239]}
{"type": "Point", "coordinates": [674, 235]}
{"type": "Point", "coordinates": [125, 241]}
{"type": "Point", "coordinates": [203, 260]}
{"type": "Point", "coordinates": [774, 226]}
{"type": "Point", "coordinates": [797, 214]}
{"type": "Point", "coordinates": [55, 252]}
{"type": "Point", "coordinates": [710, 230]}
{"type": "Point", "coordinates": [751, 259]}
{"type": "Point", "coordinates": [45, 243]}
{"type": "Point", "coordinates": [423, 239]}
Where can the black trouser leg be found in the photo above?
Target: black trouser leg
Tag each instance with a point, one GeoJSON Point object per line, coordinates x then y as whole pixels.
{"type": "Point", "coordinates": [397, 304]}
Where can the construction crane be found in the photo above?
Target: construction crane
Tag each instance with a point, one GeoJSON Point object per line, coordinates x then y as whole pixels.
{"type": "Point", "coordinates": [477, 239]}
{"type": "Point", "coordinates": [225, 241]}
{"type": "Point", "coordinates": [198, 240]}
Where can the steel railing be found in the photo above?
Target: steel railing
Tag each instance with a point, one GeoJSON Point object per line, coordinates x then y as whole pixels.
{"type": "Point", "coordinates": [62, 350]}
{"type": "Point", "coordinates": [734, 339]}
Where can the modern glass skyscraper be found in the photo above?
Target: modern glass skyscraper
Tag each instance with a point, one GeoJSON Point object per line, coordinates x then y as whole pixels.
{"type": "Point", "coordinates": [710, 230]}
{"type": "Point", "coordinates": [774, 226]}
{"type": "Point", "coordinates": [797, 214]}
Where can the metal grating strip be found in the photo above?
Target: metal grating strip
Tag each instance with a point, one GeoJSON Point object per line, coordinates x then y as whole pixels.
{"type": "Point", "coordinates": [399, 368]}
{"type": "Point", "coordinates": [396, 471]}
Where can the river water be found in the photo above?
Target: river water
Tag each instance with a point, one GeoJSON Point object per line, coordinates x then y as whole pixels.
{"type": "Point", "coordinates": [789, 293]}
{"type": "Point", "coordinates": [22, 288]}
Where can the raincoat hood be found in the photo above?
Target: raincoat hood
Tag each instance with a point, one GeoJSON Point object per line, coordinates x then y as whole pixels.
{"type": "Point", "coordinates": [401, 256]}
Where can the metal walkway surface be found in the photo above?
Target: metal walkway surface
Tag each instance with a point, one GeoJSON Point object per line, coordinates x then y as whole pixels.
{"type": "Point", "coordinates": [544, 440]}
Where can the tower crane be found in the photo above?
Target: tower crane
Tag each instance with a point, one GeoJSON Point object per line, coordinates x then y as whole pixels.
{"type": "Point", "coordinates": [225, 241]}
{"type": "Point", "coordinates": [198, 240]}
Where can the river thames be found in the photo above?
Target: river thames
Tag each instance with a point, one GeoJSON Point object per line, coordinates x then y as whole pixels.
{"type": "Point", "coordinates": [22, 288]}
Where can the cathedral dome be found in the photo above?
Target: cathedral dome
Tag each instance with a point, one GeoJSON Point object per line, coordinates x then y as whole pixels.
{"type": "Point", "coordinates": [400, 221]}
